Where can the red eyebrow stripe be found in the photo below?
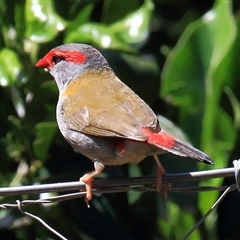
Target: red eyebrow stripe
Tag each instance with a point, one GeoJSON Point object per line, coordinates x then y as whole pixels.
{"type": "Point", "coordinates": [70, 56]}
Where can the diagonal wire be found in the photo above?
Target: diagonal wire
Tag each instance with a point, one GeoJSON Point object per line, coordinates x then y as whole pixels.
{"type": "Point", "coordinates": [236, 164]}
{"type": "Point", "coordinates": [229, 189]}
{"type": "Point", "coordinates": [39, 220]}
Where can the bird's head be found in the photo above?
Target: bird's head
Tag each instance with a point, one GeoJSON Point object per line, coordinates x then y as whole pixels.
{"type": "Point", "coordinates": [69, 61]}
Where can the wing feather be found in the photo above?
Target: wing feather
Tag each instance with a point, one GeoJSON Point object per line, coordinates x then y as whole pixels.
{"type": "Point", "coordinates": [107, 111]}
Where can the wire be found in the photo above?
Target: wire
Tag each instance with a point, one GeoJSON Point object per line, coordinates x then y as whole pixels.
{"type": "Point", "coordinates": [170, 183]}
{"type": "Point", "coordinates": [19, 204]}
{"type": "Point", "coordinates": [146, 183]}
{"type": "Point", "coordinates": [229, 189]}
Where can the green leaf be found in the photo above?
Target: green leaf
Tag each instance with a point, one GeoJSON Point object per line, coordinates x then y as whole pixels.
{"type": "Point", "coordinates": [42, 22]}
{"type": "Point", "coordinates": [97, 34]}
{"type": "Point", "coordinates": [235, 105]}
{"type": "Point", "coordinates": [140, 73]}
{"type": "Point", "coordinates": [134, 28]}
{"type": "Point", "coordinates": [223, 36]}
{"type": "Point", "coordinates": [177, 222]}
{"type": "Point", "coordinates": [44, 137]}
{"type": "Point", "coordinates": [113, 10]}
{"type": "Point", "coordinates": [10, 67]}
{"type": "Point", "coordinates": [195, 72]}
{"type": "Point", "coordinates": [82, 17]}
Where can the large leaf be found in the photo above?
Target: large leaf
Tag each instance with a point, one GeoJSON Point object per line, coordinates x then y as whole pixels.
{"type": "Point", "coordinates": [195, 72]}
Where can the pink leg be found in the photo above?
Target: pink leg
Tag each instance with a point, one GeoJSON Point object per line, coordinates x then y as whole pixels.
{"type": "Point", "coordinates": [88, 178]}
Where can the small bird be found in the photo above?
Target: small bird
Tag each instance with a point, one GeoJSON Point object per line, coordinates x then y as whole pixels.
{"type": "Point", "coordinates": [101, 117]}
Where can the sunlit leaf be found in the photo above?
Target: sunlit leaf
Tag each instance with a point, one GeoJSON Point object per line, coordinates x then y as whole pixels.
{"type": "Point", "coordinates": [134, 28]}
{"type": "Point", "coordinates": [96, 34]}
{"type": "Point", "coordinates": [10, 67]}
{"type": "Point", "coordinates": [42, 21]}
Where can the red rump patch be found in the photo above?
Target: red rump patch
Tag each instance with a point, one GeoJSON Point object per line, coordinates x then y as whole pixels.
{"type": "Point", "coordinates": [119, 144]}
{"type": "Point", "coordinates": [70, 56]}
{"type": "Point", "coordinates": [159, 139]}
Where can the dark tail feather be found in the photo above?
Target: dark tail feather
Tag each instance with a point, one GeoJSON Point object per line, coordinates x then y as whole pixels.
{"type": "Point", "coordinates": [186, 150]}
{"type": "Point", "coordinates": [170, 144]}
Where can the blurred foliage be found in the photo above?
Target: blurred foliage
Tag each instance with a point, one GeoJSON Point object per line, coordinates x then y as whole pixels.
{"type": "Point", "coordinates": [182, 57]}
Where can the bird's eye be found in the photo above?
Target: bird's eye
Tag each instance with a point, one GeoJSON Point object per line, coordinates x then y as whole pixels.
{"type": "Point", "coordinates": [56, 59]}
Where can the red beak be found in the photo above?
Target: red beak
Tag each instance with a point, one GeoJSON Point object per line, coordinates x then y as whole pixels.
{"type": "Point", "coordinates": [42, 63]}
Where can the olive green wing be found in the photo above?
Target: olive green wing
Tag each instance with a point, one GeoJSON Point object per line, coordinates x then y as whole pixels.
{"type": "Point", "coordinates": [110, 112]}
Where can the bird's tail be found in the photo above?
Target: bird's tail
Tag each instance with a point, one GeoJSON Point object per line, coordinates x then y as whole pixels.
{"type": "Point", "coordinates": [170, 144]}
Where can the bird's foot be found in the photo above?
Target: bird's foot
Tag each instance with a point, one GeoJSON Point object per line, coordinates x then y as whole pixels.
{"type": "Point", "coordinates": [88, 184]}
{"type": "Point", "coordinates": [88, 179]}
